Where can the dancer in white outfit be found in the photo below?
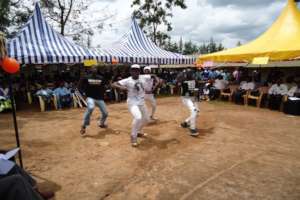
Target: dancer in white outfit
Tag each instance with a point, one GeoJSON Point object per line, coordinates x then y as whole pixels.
{"type": "Point", "coordinates": [151, 86]}
{"type": "Point", "coordinates": [134, 86]}
{"type": "Point", "coordinates": [187, 83]}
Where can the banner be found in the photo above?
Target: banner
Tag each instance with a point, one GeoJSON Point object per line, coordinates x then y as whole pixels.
{"type": "Point", "coordinates": [260, 60]}
{"type": "Point", "coordinates": [89, 63]}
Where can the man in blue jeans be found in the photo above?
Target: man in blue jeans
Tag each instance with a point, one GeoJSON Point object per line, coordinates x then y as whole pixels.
{"type": "Point", "coordinates": [93, 86]}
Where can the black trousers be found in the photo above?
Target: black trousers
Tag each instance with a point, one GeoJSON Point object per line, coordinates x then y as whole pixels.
{"type": "Point", "coordinates": [275, 101]}
{"type": "Point", "coordinates": [15, 187]}
{"type": "Point", "coordinates": [238, 96]}
{"type": "Point", "coordinates": [292, 107]}
{"type": "Point", "coordinates": [214, 93]}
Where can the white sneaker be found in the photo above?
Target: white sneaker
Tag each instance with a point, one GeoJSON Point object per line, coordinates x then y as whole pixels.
{"type": "Point", "coordinates": [153, 118]}
{"type": "Point", "coordinates": [194, 132]}
{"type": "Point", "coordinates": [134, 142]}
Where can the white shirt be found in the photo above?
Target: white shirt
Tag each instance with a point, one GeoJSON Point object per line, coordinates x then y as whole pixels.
{"type": "Point", "coordinates": [243, 85]}
{"type": "Point", "coordinates": [220, 84]}
{"type": "Point", "coordinates": [191, 85]}
{"type": "Point", "coordinates": [250, 86]}
{"type": "Point", "coordinates": [292, 91]}
{"type": "Point", "coordinates": [148, 85]}
{"type": "Point", "coordinates": [235, 73]}
{"type": "Point", "coordinates": [247, 85]}
{"type": "Point", "coordinates": [136, 89]}
{"type": "Point", "coordinates": [281, 89]}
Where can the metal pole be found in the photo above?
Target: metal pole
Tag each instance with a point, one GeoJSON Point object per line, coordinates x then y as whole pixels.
{"type": "Point", "coordinates": [11, 94]}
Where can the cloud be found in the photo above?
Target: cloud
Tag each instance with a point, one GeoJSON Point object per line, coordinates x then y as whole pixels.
{"type": "Point", "coordinates": [227, 21]}
{"type": "Point", "coordinates": [239, 3]}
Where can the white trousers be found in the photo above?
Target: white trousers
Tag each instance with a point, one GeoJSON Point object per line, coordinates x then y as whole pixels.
{"type": "Point", "coordinates": [194, 110]}
{"type": "Point", "coordinates": [140, 118]}
{"type": "Point", "coordinates": [151, 99]}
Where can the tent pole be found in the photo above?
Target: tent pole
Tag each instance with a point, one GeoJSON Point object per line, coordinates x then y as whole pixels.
{"type": "Point", "coordinates": [11, 94]}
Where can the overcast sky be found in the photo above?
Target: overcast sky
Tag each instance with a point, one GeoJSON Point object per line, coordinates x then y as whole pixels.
{"type": "Point", "coordinates": [227, 21]}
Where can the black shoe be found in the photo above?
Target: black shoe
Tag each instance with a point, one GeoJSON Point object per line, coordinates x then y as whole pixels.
{"type": "Point", "coordinates": [102, 125]}
{"type": "Point", "coordinates": [185, 125]}
{"type": "Point", "coordinates": [142, 134]}
{"type": "Point", "coordinates": [82, 131]}
{"type": "Point", "coordinates": [47, 194]}
{"type": "Point", "coordinates": [194, 132]}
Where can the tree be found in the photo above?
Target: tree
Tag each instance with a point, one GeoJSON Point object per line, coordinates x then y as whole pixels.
{"type": "Point", "coordinates": [212, 46]}
{"type": "Point", "coordinates": [239, 44]}
{"type": "Point", "coordinates": [60, 11]}
{"type": "Point", "coordinates": [171, 46]}
{"type": "Point", "coordinates": [13, 15]}
{"type": "Point", "coordinates": [162, 38]}
{"type": "Point", "coordinates": [153, 13]}
{"type": "Point", "coordinates": [190, 48]}
{"type": "Point", "coordinates": [180, 46]}
{"type": "Point", "coordinates": [4, 15]}
{"type": "Point", "coordinates": [203, 49]}
{"type": "Point", "coordinates": [220, 47]}
{"type": "Point", "coordinates": [67, 15]}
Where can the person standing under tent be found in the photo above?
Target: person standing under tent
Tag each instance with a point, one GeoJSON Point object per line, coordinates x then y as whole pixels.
{"type": "Point", "coordinates": [187, 83]}
{"type": "Point", "coordinates": [150, 87]}
{"type": "Point", "coordinates": [93, 86]}
{"type": "Point", "coordinates": [135, 87]}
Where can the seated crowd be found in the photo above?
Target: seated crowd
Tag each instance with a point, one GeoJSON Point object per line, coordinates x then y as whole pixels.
{"type": "Point", "coordinates": [246, 88]}
{"type": "Point", "coordinates": [240, 86]}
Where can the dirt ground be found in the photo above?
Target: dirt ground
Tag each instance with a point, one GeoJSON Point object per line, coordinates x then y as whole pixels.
{"type": "Point", "coordinates": [241, 153]}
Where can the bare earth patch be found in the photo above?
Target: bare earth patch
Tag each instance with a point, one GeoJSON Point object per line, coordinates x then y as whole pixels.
{"type": "Point", "coordinates": [241, 153]}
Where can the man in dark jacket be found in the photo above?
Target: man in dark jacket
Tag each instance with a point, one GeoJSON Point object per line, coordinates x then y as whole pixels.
{"type": "Point", "coordinates": [93, 86]}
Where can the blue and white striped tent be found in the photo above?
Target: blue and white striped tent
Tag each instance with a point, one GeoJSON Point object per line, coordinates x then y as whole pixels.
{"type": "Point", "coordinates": [136, 47]}
{"type": "Point", "coordinates": [39, 43]}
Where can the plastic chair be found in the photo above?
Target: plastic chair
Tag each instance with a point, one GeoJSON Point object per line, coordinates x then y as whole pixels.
{"type": "Point", "coordinates": [258, 99]}
{"type": "Point", "coordinates": [232, 88]}
{"type": "Point", "coordinates": [43, 104]}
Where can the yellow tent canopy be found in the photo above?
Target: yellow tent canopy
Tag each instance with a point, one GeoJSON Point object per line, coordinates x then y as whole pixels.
{"type": "Point", "coordinates": [280, 42]}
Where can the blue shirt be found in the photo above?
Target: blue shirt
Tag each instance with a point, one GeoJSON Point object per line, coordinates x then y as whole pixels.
{"type": "Point", "coordinates": [44, 92]}
{"type": "Point", "coordinates": [61, 91]}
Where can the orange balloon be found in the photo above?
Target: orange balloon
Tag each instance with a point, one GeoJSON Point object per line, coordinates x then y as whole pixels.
{"type": "Point", "coordinates": [10, 65]}
{"type": "Point", "coordinates": [114, 61]}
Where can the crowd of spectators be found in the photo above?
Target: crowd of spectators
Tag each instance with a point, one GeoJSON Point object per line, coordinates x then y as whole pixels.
{"type": "Point", "coordinates": [210, 84]}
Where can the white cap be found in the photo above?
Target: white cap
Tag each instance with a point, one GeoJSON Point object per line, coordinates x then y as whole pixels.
{"type": "Point", "coordinates": [147, 68]}
{"type": "Point", "coordinates": [135, 66]}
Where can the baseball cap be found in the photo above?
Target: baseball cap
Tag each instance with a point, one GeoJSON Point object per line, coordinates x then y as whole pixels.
{"type": "Point", "coordinates": [135, 66]}
{"type": "Point", "coordinates": [147, 68]}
